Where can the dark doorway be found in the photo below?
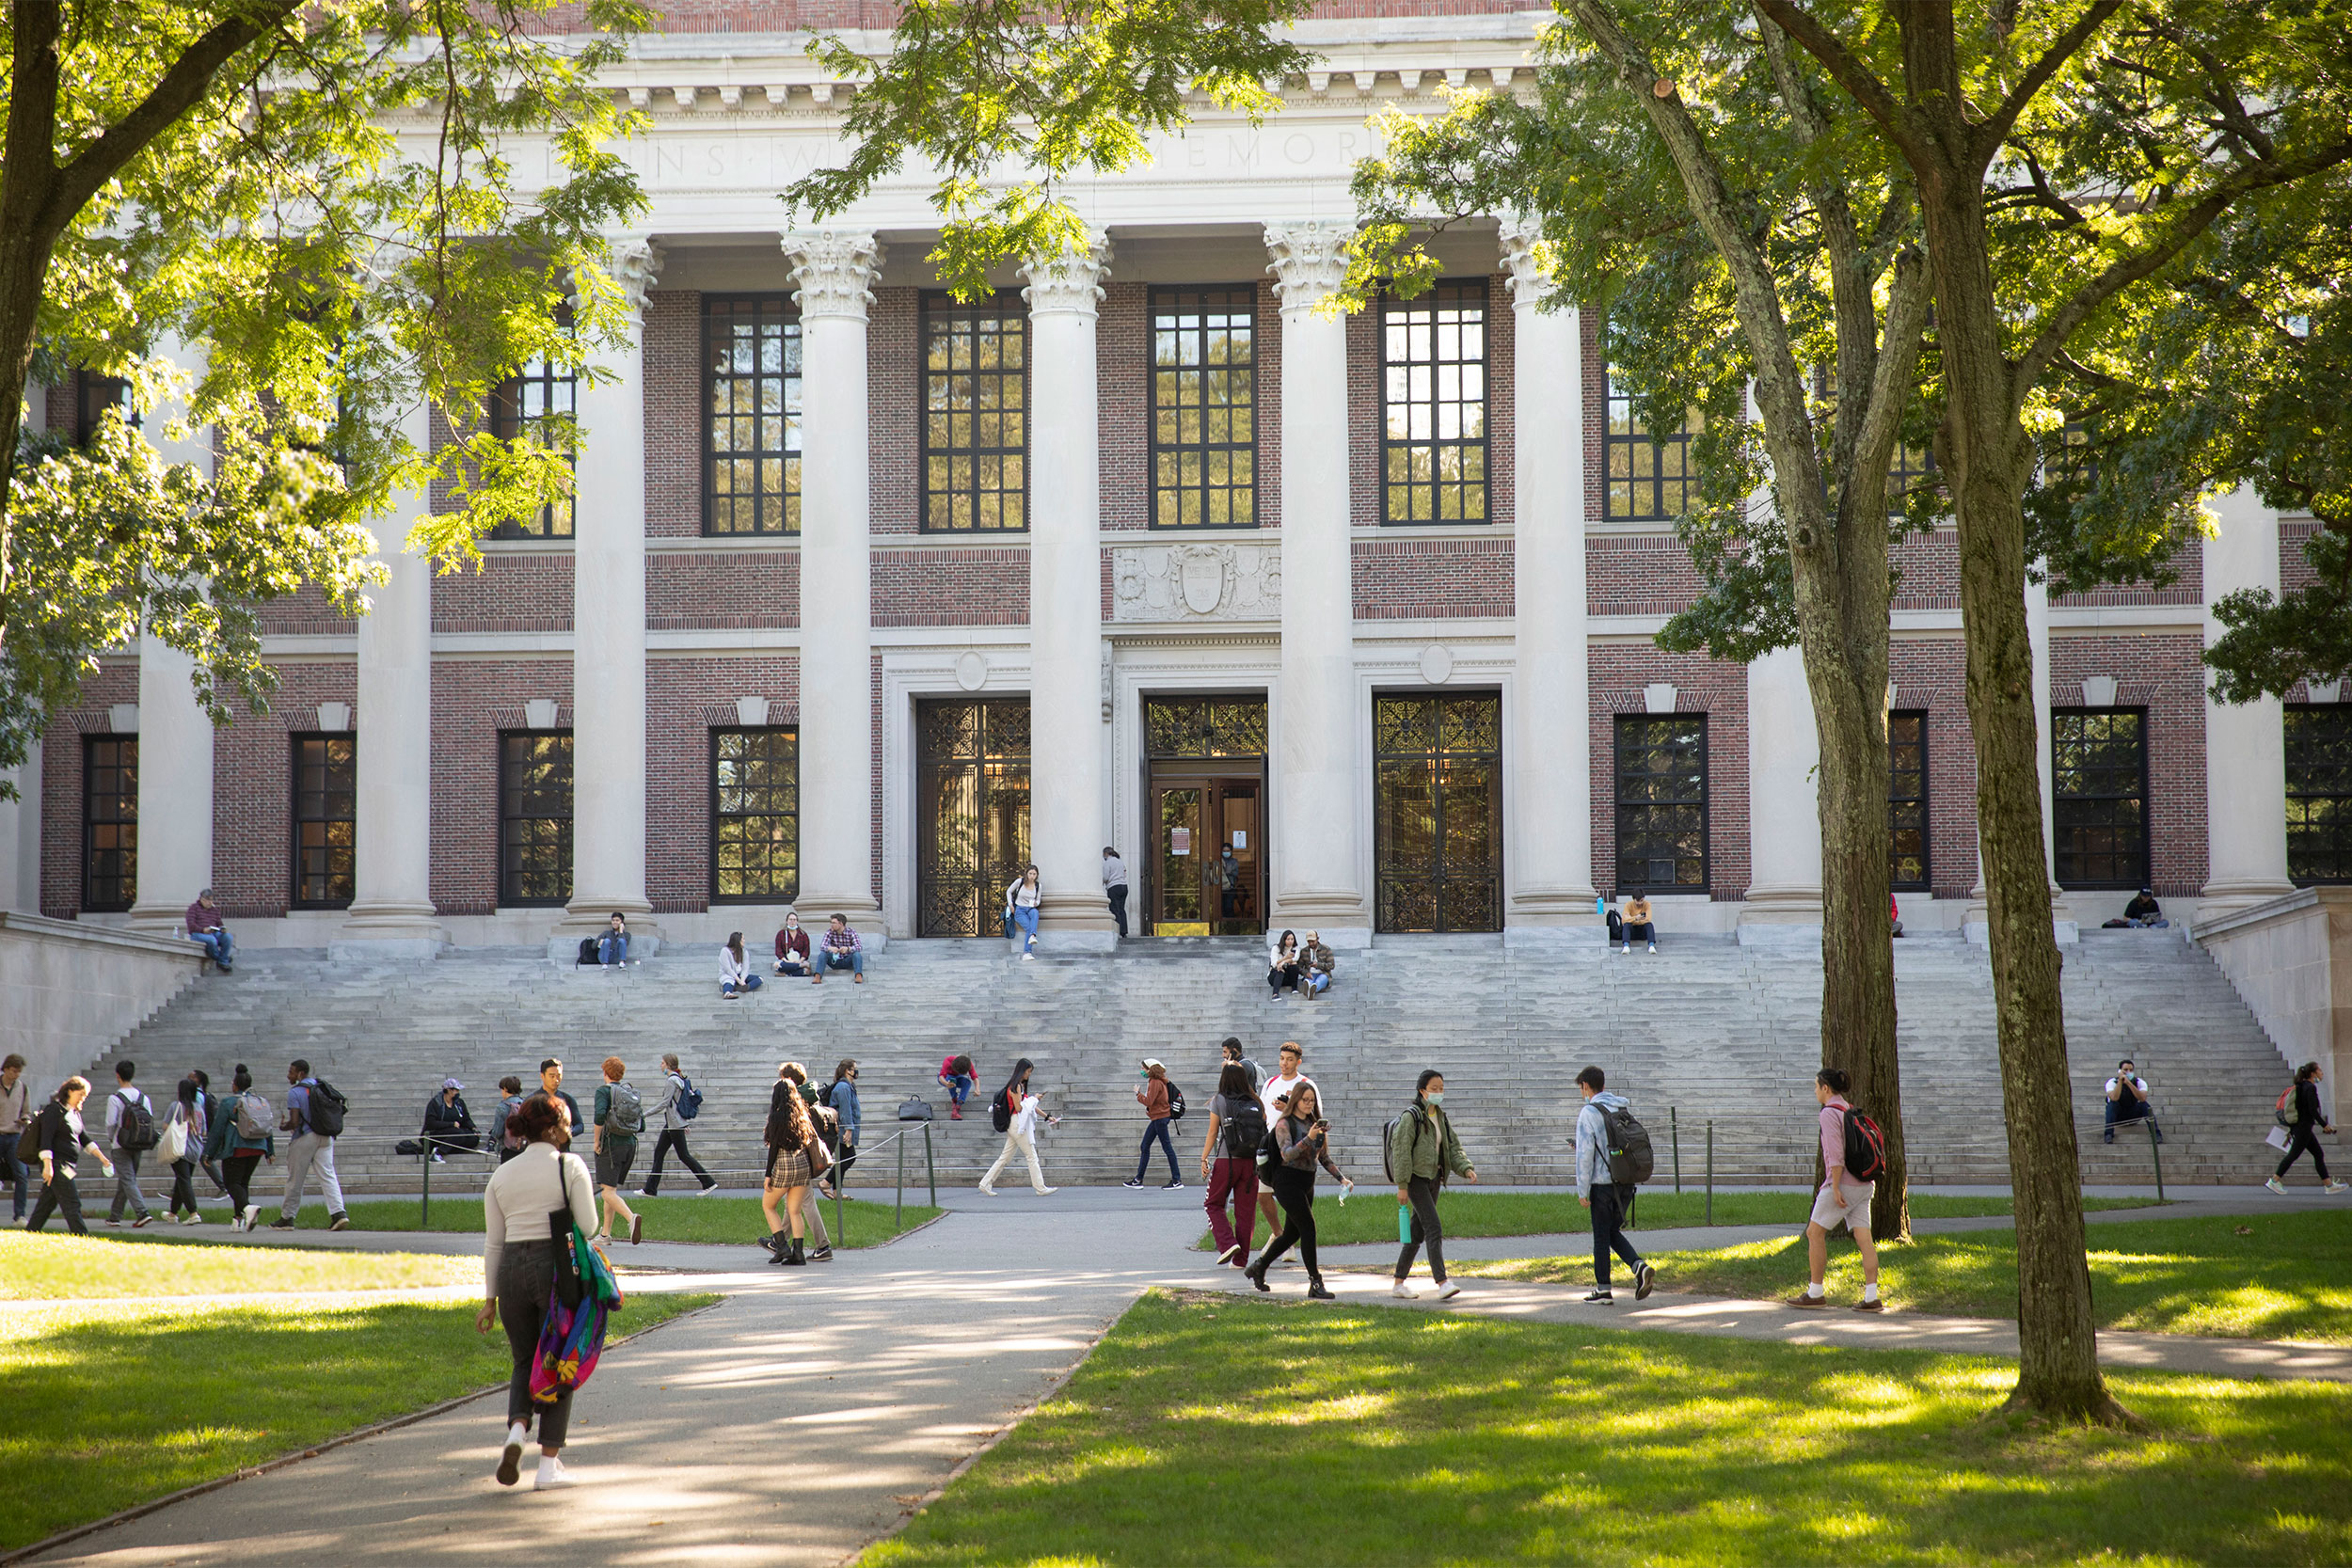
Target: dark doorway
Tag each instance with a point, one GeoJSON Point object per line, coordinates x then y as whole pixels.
{"type": "Point", "coordinates": [972, 787]}
{"type": "Point", "coordinates": [1205, 872]}
{"type": "Point", "coordinates": [1437, 813]}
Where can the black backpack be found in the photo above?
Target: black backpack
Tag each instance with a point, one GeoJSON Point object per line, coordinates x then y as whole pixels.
{"type": "Point", "coordinates": [1866, 1147]}
{"type": "Point", "coordinates": [1269, 1155]}
{"type": "Point", "coordinates": [324, 1116]}
{"type": "Point", "coordinates": [1245, 1129]}
{"type": "Point", "coordinates": [1175, 1101]}
{"type": "Point", "coordinates": [1000, 1111]}
{"type": "Point", "coordinates": [588, 955]}
{"type": "Point", "coordinates": [1631, 1160]}
{"type": "Point", "coordinates": [135, 1130]}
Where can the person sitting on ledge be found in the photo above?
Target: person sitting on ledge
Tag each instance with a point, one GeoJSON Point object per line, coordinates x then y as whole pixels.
{"type": "Point", "coordinates": [842, 950]}
{"type": "Point", "coordinates": [447, 1122]}
{"type": "Point", "coordinates": [2145, 913]}
{"type": "Point", "coordinates": [206, 931]}
{"type": "Point", "coordinates": [792, 946]}
{"type": "Point", "coordinates": [1637, 924]}
{"type": "Point", "coordinates": [613, 947]}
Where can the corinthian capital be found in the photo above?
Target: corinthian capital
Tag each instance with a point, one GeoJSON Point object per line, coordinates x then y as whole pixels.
{"type": "Point", "coordinates": [1309, 258]}
{"type": "Point", "coordinates": [835, 272]}
{"type": "Point", "coordinates": [1531, 275]}
{"type": "Point", "coordinates": [635, 261]}
{"type": "Point", "coordinates": [1069, 282]}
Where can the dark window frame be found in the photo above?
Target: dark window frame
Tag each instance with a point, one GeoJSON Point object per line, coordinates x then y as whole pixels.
{"type": "Point", "coordinates": [128, 881]}
{"type": "Point", "coordinates": [1633, 440]}
{"type": "Point", "coordinates": [1619, 806]}
{"type": "Point", "coordinates": [1199, 302]}
{"type": "Point", "coordinates": [1004, 305]}
{"type": "Point", "coordinates": [295, 741]}
{"type": "Point", "coordinates": [508, 419]}
{"type": "Point", "coordinates": [1476, 452]}
{"type": "Point", "coordinates": [2340, 827]}
{"type": "Point", "coordinates": [787, 894]}
{"type": "Point", "coordinates": [507, 898]}
{"type": "Point", "coordinates": [762, 307]}
{"type": "Point", "coordinates": [2060, 827]}
{"type": "Point", "coordinates": [1926, 881]}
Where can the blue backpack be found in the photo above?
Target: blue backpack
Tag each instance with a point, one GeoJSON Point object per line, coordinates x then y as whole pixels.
{"type": "Point", "coordinates": [689, 1098]}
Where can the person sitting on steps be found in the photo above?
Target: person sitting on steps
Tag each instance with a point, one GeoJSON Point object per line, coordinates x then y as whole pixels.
{"type": "Point", "coordinates": [1639, 925]}
{"type": "Point", "coordinates": [792, 946]}
{"type": "Point", "coordinates": [1283, 966]}
{"type": "Point", "coordinates": [1317, 965]}
{"type": "Point", "coordinates": [841, 950]}
{"type": "Point", "coordinates": [613, 947]}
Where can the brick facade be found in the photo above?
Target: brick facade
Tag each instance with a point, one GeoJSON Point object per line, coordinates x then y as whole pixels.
{"type": "Point", "coordinates": [253, 786]}
{"type": "Point", "coordinates": [788, 16]}
{"type": "Point", "coordinates": [1122, 370]}
{"type": "Point", "coordinates": [519, 592]}
{"type": "Point", "coordinates": [1619, 672]}
{"type": "Point", "coordinates": [2161, 674]}
{"type": "Point", "coordinates": [685, 700]}
{"type": "Point", "coordinates": [713, 590]}
{"type": "Point", "coordinates": [673, 413]}
{"type": "Point", "coordinates": [1637, 574]}
{"type": "Point", "coordinates": [115, 680]}
{"type": "Point", "coordinates": [1418, 578]}
{"type": "Point", "coordinates": [985, 586]}
{"type": "Point", "coordinates": [305, 612]}
{"type": "Point", "coordinates": [1366, 411]}
{"type": "Point", "coordinates": [893, 393]}
{"type": "Point", "coordinates": [1929, 675]}
{"type": "Point", "coordinates": [472, 700]}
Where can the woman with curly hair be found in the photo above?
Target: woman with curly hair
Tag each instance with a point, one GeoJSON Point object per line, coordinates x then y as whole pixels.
{"type": "Point", "coordinates": [790, 1137]}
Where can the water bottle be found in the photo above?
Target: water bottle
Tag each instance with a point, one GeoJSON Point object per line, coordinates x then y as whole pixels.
{"type": "Point", "coordinates": [1404, 1225]}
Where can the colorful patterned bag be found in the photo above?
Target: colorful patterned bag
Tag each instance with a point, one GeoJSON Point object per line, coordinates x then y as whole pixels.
{"type": "Point", "coordinates": [572, 1337]}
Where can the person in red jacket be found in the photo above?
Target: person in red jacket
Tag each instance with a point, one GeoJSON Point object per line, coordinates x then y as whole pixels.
{"type": "Point", "coordinates": [792, 945]}
{"type": "Point", "coordinates": [204, 927]}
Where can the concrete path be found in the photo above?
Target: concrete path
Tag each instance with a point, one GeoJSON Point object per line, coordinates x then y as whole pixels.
{"type": "Point", "coordinates": [814, 1408]}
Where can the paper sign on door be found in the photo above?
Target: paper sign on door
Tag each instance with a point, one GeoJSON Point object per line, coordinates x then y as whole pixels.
{"type": "Point", "coordinates": [1180, 841]}
{"type": "Point", "coordinates": [1241, 838]}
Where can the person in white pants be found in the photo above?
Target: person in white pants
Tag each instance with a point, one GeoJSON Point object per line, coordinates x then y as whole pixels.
{"type": "Point", "coordinates": [307, 1151]}
{"type": "Point", "coordinates": [1021, 1132]}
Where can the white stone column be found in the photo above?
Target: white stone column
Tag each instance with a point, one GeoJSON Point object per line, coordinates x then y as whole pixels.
{"type": "Point", "coordinates": [1066, 736]}
{"type": "Point", "coordinates": [1318, 786]}
{"type": "Point", "coordinates": [835, 272]}
{"type": "Point", "coordinates": [2246, 759]}
{"type": "Point", "coordinates": [1784, 807]}
{"type": "Point", "coordinates": [609, 634]}
{"type": "Point", "coordinates": [175, 857]}
{"type": "Point", "coordinates": [392, 912]}
{"type": "Point", "coordinates": [1550, 739]}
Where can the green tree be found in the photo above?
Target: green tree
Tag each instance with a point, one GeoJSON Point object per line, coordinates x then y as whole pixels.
{"type": "Point", "coordinates": [292, 222]}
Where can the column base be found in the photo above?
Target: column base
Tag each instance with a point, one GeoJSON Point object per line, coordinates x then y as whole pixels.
{"type": "Point", "coordinates": [1340, 918]}
{"type": "Point", "coordinates": [156, 920]}
{"type": "Point", "coordinates": [375, 933]}
{"type": "Point", "coordinates": [1975, 922]}
{"type": "Point", "coordinates": [1779, 916]}
{"type": "Point", "coordinates": [2221, 899]}
{"type": "Point", "coordinates": [1573, 908]}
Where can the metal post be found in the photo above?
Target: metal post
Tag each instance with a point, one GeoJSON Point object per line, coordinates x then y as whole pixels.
{"type": "Point", "coordinates": [930, 1166]}
{"type": "Point", "coordinates": [1711, 1173]}
{"type": "Point", "coordinates": [2156, 1154]}
{"type": "Point", "coordinates": [901, 1221]}
{"type": "Point", "coordinates": [424, 1206]}
{"type": "Point", "coordinates": [1674, 1124]}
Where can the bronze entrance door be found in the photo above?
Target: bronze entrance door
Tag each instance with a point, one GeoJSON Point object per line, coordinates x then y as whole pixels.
{"type": "Point", "coordinates": [972, 832]}
{"type": "Point", "coordinates": [1205, 865]}
{"type": "Point", "coordinates": [1437, 813]}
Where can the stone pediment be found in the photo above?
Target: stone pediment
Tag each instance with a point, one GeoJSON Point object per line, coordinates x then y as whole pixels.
{"type": "Point", "coordinates": [1196, 581]}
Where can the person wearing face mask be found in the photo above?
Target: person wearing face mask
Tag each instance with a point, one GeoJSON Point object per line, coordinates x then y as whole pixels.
{"type": "Point", "coordinates": [1421, 1149]}
{"type": "Point", "coordinates": [792, 946]}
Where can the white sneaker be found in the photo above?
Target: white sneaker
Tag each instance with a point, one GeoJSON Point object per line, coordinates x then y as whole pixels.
{"type": "Point", "coordinates": [1028, 956]}
{"type": "Point", "coordinates": [1653, 948]}
{"type": "Point", "coordinates": [2335, 1186]}
{"type": "Point", "coordinates": [552, 1475]}
{"type": "Point", "coordinates": [988, 1192]}
{"type": "Point", "coordinates": [1403, 1292]}
{"type": "Point", "coordinates": [2276, 1185]}
{"type": "Point", "coordinates": [1448, 1290]}
{"type": "Point", "coordinates": [1047, 1192]}
{"type": "Point", "coordinates": [252, 1212]}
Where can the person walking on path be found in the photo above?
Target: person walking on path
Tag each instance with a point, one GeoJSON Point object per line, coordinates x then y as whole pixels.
{"type": "Point", "coordinates": [840, 1097]}
{"type": "Point", "coordinates": [620, 1118]}
{"type": "Point", "coordinates": [1233, 1055]}
{"type": "Point", "coordinates": [1303, 1137]}
{"type": "Point", "coordinates": [821, 1161]}
{"type": "Point", "coordinates": [669, 1114]}
{"type": "Point", "coordinates": [1115, 886]}
{"type": "Point", "coordinates": [956, 1074]}
{"type": "Point", "coordinates": [184, 1126]}
{"type": "Point", "coordinates": [1021, 901]}
{"type": "Point", "coordinates": [131, 1132]}
{"type": "Point", "coordinates": [310, 1147]}
{"type": "Point", "coordinates": [1159, 1111]}
{"type": "Point", "coordinates": [1841, 1198]}
{"type": "Point", "coordinates": [506, 1139]}
{"type": "Point", "coordinates": [1270, 1094]}
{"type": "Point", "coordinates": [1422, 1149]}
{"type": "Point", "coordinates": [1015, 1112]}
{"type": "Point", "coordinates": [16, 1130]}
{"type": "Point", "coordinates": [58, 1138]}
{"type": "Point", "coordinates": [520, 1209]}
{"type": "Point", "coordinates": [790, 1137]}
{"type": "Point", "coordinates": [1229, 1160]}
{"type": "Point", "coordinates": [239, 1149]}
{"type": "Point", "coordinates": [2305, 1122]}
{"type": "Point", "coordinates": [1600, 1192]}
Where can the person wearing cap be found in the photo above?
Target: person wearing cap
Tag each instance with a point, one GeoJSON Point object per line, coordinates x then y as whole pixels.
{"type": "Point", "coordinates": [447, 1122]}
{"type": "Point", "coordinates": [1152, 1096]}
{"type": "Point", "coordinates": [206, 931]}
{"type": "Point", "coordinates": [2127, 1101]}
{"type": "Point", "coordinates": [2145, 912]}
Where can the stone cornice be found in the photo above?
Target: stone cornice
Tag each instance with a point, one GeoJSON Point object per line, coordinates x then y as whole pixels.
{"type": "Point", "coordinates": [836, 270]}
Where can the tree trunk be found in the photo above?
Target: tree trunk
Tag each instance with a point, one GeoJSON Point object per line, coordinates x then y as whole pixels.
{"type": "Point", "coordinates": [1991, 461]}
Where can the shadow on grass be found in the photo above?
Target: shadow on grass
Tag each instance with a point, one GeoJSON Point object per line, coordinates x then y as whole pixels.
{"type": "Point", "coordinates": [1207, 1431]}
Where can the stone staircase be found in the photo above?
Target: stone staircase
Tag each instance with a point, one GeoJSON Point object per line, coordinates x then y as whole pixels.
{"type": "Point", "coordinates": [1704, 1031]}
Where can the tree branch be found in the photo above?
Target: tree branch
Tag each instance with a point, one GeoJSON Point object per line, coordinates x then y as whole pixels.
{"type": "Point", "coordinates": [1989, 134]}
{"type": "Point", "coordinates": [1859, 81]}
{"type": "Point", "coordinates": [1908, 297]}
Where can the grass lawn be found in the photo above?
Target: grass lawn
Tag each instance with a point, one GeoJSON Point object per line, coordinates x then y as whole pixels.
{"type": "Point", "coordinates": [1371, 1215]}
{"type": "Point", "coordinates": [1210, 1431]}
{"type": "Point", "coordinates": [111, 1410]}
{"type": "Point", "coordinates": [49, 1266]}
{"type": "Point", "coordinates": [667, 1219]}
{"type": "Point", "coordinates": [2283, 1276]}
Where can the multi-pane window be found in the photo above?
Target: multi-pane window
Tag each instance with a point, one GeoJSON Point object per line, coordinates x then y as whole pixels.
{"type": "Point", "coordinates": [93, 394]}
{"type": "Point", "coordinates": [1661, 802]}
{"type": "Point", "coordinates": [1912, 467]}
{"type": "Point", "coordinates": [326, 815]}
{"type": "Point", "coordinates": [534, 817]}
{"type": "Point", "coordinates": [1437, 813]}
{"type": "Point", "coordinates": [755, 815]}
{"type": "Point", "coordinates": [1650, 477]}
{"type": "Point", "coordinates": [1907, 799]}
{"type": "Point", "coordinates": [2319, 793]}
{"type": "Point", "coordinates": [976, 414]}
{"type": "Point", "coordinates": [1205, 393]}
{"type": "Point", "coordinates": [532, 406]}
{"type": "Point", "coordinates": [110, 823]}
{"type": "Point", "coordinates": [2099, 768]}
{"type": "Point", "coordinates": [1432, 364]}
{"type": "Point", "coordinates": [752, 401]}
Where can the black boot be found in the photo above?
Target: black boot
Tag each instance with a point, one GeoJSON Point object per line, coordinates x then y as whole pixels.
{"type": "Point", "coordinates": [1257, 1275]}
{"type": "Point", "coordinates": [1315, 1290]}
{"type": "Point", "coordinates": [775, 1242]}
{"type": "Point", "coordinates": [796, 1255]}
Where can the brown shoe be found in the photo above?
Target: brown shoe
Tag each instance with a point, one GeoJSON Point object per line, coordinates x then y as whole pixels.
{"type": "Point", "coordinates": [1809, 1303]}
{"type": "Point", "coordinates": [636, 1228]}
{"type": "Point", "coordinates": [1879, 1305]}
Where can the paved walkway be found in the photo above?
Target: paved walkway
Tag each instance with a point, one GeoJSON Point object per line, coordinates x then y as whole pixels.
{"type": "Point", "coordinates": [815, 1408]}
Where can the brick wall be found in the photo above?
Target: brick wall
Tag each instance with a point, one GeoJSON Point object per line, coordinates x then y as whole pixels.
{"type": "Point", "coordinates": [685, 700]}
{"type": "Point", "coordinates": [1410, 578]}
{"type": "Point", "coordinates": [115, 680]}
{"type": "Point", "coordinates": [985, 586]}
{"type": "Point", "coordinates": [305, 612]}
{"type": "Point", "coordinates": [253, 787]}
{"type": "Point", "coordinates": [1927, 571]}
{"type": "Point", "coordinates": [1931, 675]}
{"type": "Point", "coordinates": [1596, 416]}
{"type": "Point", "coordinates": [1268, 352]}
{"type": "Point", "coordinates": [673, 412]}
{"type": "Point", "coordinates": [472, 700]}
{"type": "Point", "coordinates": [2295, 569]}
{"type": "Point", "coordinates": [1637, 574]}
{"type": "Point", "coordinates": [2163, 675]}
{"type": "Point", "coordinates": [894, 392]}
{"type": "Point", "coordinates": [528, 592]}
{"type": "Point", "coordinates": [689, 589]}
{"type": "Point", "coordinates": [2189, 590]}
{"type": "Point", "coordinates": [1620, 670]}
{"type": "Point", "coordinates": [1122, 370]}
